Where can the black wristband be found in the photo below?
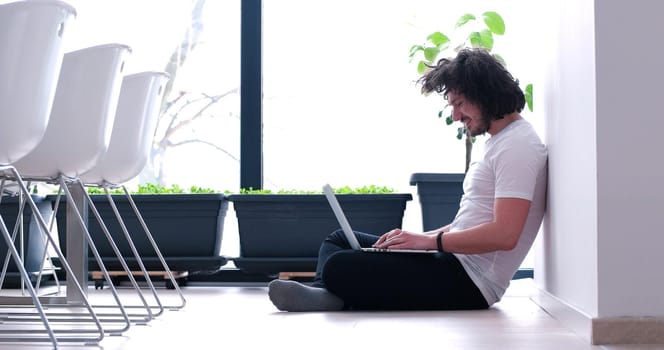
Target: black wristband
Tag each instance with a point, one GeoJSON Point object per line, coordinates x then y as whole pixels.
{"type": "Point", "coordinates": [439, 241]}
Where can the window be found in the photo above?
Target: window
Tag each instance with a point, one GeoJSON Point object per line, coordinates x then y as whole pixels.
{"type": "Point", "coordinates": [197, 138]}
{"type": "Point", "coordinates": [340, 101]}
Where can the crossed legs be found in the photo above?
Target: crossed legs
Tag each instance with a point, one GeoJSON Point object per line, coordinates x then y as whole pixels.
{"type": "Point", "coordinates": [356, 280]}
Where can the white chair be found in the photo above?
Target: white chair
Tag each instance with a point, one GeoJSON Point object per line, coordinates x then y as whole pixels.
{"type": "Point", "coordinates": [79, 129]}
{"type": "Point", "coordinates": [31, 39]}
{"type": "Point", "coordinates": [133, 130]}
{"type": "Point", "coordinates": [76, 138]}
{"type": "Point", "coordinates": [128, 152]}
{"type": "Point", "coordinates": [31, 34]}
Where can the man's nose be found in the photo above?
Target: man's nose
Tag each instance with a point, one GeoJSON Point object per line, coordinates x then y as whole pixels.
{"type": "Point", "coordinates": [456, 115]}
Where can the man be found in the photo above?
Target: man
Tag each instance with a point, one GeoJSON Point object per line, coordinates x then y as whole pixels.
{"type": "Point", "coordinates": [478, 253]}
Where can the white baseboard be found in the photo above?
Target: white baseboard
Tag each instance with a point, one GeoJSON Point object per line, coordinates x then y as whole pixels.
{"type": "Point", "coordinates": [572, 318]}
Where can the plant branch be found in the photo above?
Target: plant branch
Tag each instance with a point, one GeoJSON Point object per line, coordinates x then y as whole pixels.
{"type": "Point", "coordinates": [169, 104]}
{"type": "Point", "coordinates": [182, 51]}
{"type": "Point", "coordinates": [173, 127]}
{"type": "Point", "coordinates": [186, 142]}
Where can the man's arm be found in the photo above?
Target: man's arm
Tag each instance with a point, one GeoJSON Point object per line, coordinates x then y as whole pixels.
{"type": "Point", "coordinates": [502, 233]}
{"type": "Point", "coordinates": [445, 228]}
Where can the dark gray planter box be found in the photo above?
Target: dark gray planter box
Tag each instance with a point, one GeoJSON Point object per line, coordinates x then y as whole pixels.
{"type": "Point", "coordinates": [439, 196]}
{"type": "Point", "coordinates": [34, 243]}
{"type": "Point", "coordinates": [283, 232]}
{"type": "Point", "coordinates": [188, 229]}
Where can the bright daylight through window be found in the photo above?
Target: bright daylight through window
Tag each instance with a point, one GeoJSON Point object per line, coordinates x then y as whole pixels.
{"type": "Point", "coordinates": [340, 104]}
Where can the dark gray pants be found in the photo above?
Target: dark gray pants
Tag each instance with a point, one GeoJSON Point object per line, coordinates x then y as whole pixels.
{"type": "Point", "coordinates": [394, 281]}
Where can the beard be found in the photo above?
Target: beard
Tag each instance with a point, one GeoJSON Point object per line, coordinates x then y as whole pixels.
{"type": "Point", "coordinates": [480, 128]}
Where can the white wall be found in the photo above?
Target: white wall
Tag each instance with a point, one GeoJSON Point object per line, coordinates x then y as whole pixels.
{"type": "Point", "coordinates": [630, 181]}
{"type": "Point", "coordinates": [602, 241]}
{"type": "Point", "coordinates": [567, 262]}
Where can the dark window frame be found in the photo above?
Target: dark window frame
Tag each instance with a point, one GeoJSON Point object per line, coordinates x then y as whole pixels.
{"type": "Point", "coordinates": [251, 95]}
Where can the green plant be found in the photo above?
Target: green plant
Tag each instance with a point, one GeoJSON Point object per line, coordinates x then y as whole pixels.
{"type": "Point", "coordinates": [481, 35]}
{"type": "Point", "coordinates": [372, 189]}
{"type": "Point", "coordinates": [251, 190]}
{"type": "Point", "coordinates": [150, 188]}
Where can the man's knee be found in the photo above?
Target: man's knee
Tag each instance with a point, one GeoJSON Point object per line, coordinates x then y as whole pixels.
{"type": "Point", "coordinates": [337, 237]}
{"type": "Point", "coordinates": [338, 266]}
{"type": "Point", "coordinates": [339, 233]}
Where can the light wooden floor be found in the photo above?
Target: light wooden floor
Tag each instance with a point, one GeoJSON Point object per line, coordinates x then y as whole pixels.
{"type": "Point", "coordinates": [242, 317]}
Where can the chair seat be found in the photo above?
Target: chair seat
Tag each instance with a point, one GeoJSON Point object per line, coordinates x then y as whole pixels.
{"type": "Point", "coordinates": [83, 113]}
{"type": "Point", "coordinates": [29, 72]}
{"type": "Point", "coordinates": [133, 129]}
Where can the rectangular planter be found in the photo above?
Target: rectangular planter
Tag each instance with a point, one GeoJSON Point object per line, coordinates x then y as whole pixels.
{"type": "Point", "coordinates": [188, 229]}
{"type": "Point", "coordinates": [283, 232]}
{"type": "Point", "coordinates": [440, 195]}
{"type": "Point", "coordinates": [34, 243]}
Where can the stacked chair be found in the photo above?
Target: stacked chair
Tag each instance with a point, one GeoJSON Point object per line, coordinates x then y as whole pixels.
{"type": "Point", "coordinates": [69, 119]}
{"type": "Point", "coordinates": [77, 136]}
{"type": "Point", "coordinates": [127, 155]}
{"type": "Point", "coordinates": [31, 35]}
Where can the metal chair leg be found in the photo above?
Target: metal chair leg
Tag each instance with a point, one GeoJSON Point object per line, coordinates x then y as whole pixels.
{"type": "Point", "coordinates": [22, 317]}
{"type": "Point", "coordinates": [134, 251]}
{"type": "Point", "coordinates": [116, 250]}
{"type": "Point", "coordinates": [24, 275]}
{"type": "Point", "coordinates": [156, 249]}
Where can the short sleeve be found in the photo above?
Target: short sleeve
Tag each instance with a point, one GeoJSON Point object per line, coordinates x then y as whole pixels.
{"type": "Point", "coordinates": [516, 167]}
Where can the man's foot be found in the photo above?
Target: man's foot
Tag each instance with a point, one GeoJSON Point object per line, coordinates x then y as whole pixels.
{"type": "Point", "coordinates": [289, 295]}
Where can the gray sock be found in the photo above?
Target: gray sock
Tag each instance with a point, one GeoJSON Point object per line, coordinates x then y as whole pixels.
{"type": "Point", "coordinates": [289, 295]}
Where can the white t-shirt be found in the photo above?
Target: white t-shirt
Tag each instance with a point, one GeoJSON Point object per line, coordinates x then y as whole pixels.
{"type": "Point", "coordinates": [514, 166]}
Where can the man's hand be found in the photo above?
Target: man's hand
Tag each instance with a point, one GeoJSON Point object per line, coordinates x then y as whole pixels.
{"type": "Point", "coordinates": [401, 239]}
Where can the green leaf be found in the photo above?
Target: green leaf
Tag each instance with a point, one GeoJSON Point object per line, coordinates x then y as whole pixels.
{"type": "Point", "coordinates": [414, 50]}
{"type": "Point", "coordinates": [449, 120]}
{"type": "Point", "coordinates": [430, 53]}
{"type": "Point", "coordinates": [97, 190]}
{"type": "Point", "coordinates": [464, 19]}
{"type": "Point", "coordinates": [198, 189]}
{"type": "Point", "coordinates": [475, 39]}
{"type": "Point", "coordinates": [371, 189]}
{"type": "Point", "coordinates": [486, 39]}
{"type": "Point", "coordinates": [529, 96]}
{"type": "Point", "coordinates": [494, 22]}
{"type": "Point", "coordinates": [150, 188]}
{"type": "Point", "coordinates": [438, 38]}
{"type": "Point", "coordinates": [460, 132]}
{"type": "Point", "coordinates": [421, 67]}
{"type": "Point", "coordinates": [251, 190]}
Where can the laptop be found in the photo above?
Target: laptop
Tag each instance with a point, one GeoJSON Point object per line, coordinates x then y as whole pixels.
{"type": "Point", "coordinates": [348, 231]}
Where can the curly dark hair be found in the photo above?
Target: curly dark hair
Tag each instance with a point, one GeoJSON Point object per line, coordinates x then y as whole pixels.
{"type": "Point", "coordinates": [480, 78]}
